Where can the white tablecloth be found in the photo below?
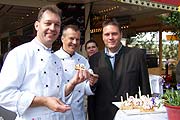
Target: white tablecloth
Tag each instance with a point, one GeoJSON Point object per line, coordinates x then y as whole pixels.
{"type": "Point", "coordinates": [120, 115]}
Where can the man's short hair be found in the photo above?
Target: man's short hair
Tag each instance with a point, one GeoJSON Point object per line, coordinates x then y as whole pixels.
{"type": "Point", "coordinates": [112, 21]}
{"type": "Point", "coordinates": [71, 26]}
{"type": "Point", "coordinates": [53, 8]}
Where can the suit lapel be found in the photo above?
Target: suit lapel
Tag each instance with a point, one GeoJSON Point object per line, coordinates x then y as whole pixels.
{"type": "Point", "coordinates": [119, 69]}
{"type": "Point", "coordinates": [107, 71]}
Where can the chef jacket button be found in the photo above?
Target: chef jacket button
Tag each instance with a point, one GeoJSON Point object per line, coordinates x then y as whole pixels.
{"type": "Point", "coordinates": [65, 69]}
{"type": "Point", "coordinates": [46, 85]}
{"type": "Point", "coordinates": [115, 96]}
{"type": "Point", "coordinates": [62, 59]}
{"type": "Point", "coordinates": [68, 80]}
{"type": "Point", "coordinates": [56, 73]}
{"type": "Point", "coordinates": [78, 59]}
{"type": "Point", "coordinates": [58, 86]}
{"type": "Point", "coordinates": [55, 62]}
{"type": "Point", "coordinates": [78, 101]}
{"type": "Point", "coordinates": [41, 59]}
{"type": "Point", "coordinates": [79, 91]}
{"type": "Point", "coordinates": [38, 49]}
{"type": "Point", "coordinates": [44, 72]}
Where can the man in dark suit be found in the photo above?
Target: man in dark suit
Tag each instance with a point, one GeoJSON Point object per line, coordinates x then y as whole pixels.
{"type": "Point", "coordinates": [121, 70]}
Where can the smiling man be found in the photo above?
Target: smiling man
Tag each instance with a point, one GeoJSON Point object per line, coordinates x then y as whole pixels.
{"type": "Point", "coordinates": [70, 58]}
{"type": "Point", "coordinates": [121, 70]}
{"type": "Point", "coordinates": [31, 78]}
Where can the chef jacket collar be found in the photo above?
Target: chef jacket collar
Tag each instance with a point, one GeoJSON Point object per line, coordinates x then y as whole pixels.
{"type": "Point", "coordinates": [42, 45]}
{"type": "Point", "coordinates": [68, 53]}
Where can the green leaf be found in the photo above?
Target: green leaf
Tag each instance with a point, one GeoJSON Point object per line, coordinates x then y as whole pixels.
{"type": "Point", "coordinates": [171, 97]}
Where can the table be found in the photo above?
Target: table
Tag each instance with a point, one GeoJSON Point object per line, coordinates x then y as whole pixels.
{"type": "Point", "coordinates": [158, 114]}
{"type": "Point", "coordinates": [120, 115]}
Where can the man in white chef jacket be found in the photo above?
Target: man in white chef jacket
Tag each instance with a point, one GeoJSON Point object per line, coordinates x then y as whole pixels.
{"type": "Point", "coordinates": [31, 79]}
{"type": "Point", "coordinates": [69, 58]}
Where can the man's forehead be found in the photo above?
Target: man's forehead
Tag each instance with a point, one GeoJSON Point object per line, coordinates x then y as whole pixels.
{"type": "Point", "coordinates": [48, 15]}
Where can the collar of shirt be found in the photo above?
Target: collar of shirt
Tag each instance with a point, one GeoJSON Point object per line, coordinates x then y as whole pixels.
{"type": "Point", "coordinates": [69, 55]}
{"type": "Point", "coordinates": [42, 45]}
{"type": "Point", "coordinates": [110, 54]}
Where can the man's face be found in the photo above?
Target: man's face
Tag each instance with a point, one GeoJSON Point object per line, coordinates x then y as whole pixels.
{"type": "Point", "coordinates": [48, 28]}
{"type": "Point", "coordinates": [71, 40]}
{"type": "Point", "coordinates": [91, 48]}
{"type": "Point", "coordinates": [112, 37]}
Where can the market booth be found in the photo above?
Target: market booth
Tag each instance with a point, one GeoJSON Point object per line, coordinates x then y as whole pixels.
{"type": "Point", "coordinates": [134, 15]}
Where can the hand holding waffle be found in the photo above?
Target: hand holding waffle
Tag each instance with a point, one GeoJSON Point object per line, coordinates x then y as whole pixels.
{"type": "Point", "coordinates": [92, 77]}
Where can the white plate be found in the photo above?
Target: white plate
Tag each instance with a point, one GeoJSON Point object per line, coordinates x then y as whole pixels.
{"type": "Point", "coordinates": [137, 111]}
{"type": "Point", "coordinates": [117, 104]}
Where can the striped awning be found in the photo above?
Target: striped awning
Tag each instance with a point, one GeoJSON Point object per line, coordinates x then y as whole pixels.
{"type": "Point", "coordinates": [152, 3]}
{"type": "Point", "coordinates": [170, 2]}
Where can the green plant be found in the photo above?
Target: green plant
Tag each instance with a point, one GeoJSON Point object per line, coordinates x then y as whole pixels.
{"type": "Point", "coordinates": [171, 97]}
{"type": "Point", "coordinates": [172, 19]}
{"type": "Point", "coordinates": [148, 41]}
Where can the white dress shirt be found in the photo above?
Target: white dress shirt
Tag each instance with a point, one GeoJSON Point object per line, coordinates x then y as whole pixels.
{"type": "Point", "coordinates": [77, 107]}
{"type": "Point", "coordinates": [31, 70]}
{"type": "Point", "coordinates": [111, 55]}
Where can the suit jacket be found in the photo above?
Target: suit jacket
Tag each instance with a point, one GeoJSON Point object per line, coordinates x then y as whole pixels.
{"type": "Point", "coordinates": [130, 72]}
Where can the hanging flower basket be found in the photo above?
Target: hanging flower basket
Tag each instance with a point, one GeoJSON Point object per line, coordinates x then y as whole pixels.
{"type": "Point", "coordinates": [173, 20]}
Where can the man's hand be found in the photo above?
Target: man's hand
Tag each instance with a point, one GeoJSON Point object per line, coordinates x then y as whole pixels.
{"type": "Point", "coordinates": [80, 76]}
{"type": "Point", "coordinates": [52, 103]}
{"type": "Point", "coordinates": [93, 79]}
{"type": "Point", "coordinates": [56, 105]}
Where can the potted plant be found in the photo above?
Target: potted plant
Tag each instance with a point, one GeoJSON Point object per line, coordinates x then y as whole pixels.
{"type": "Point", "coordinates": [171, 100]}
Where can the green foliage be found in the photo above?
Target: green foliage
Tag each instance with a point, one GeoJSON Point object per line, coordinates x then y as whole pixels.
{"type": "Point", "coordinates": [173, 20]}
{"type": "Point", "coordinates": [149, 43]}
{"type": "Point", "coordinates": [171, 97]}
{"type": "Point", "coordinates": [170, 51]}
{"type": "Point", "coordinates": [169, 48]}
